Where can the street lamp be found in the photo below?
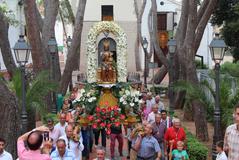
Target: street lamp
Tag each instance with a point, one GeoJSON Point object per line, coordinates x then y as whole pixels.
{"type": "Point", "coordinates": [171, 49]}
{"type": "Point", "coordinates": [22, 51]}
{"type": "Point", "coordinates": [68, 43]}
{"type": "Point", "coordinates": [52, 45]}
{"type": "Point", "coordinates": [145, 46]}
{"type": "Point", "coordinates": [217, 49]}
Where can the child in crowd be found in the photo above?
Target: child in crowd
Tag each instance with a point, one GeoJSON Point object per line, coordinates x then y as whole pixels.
{"type": "Point", "coordinates": [221, 154]}
{"type": "Point", "coordinates": [179, 153]}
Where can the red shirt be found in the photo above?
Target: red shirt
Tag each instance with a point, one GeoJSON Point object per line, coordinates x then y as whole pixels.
{"type": "Point", "coordinates": [173, 134]}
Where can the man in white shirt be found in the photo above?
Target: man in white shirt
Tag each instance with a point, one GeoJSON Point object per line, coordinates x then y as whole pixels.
{"type": "Point", "coordinates": [62, 124]}
{"type": "Point", "coordinates": [159, 103]}
{"type": "Point", "coordinates": [151, 117]}
{"type": "Point", "coordinates": [54, 132]}
{"type": "Point", "coordinates": [4, 155]}
{"type": "Point", "coordinates": [75, 146]}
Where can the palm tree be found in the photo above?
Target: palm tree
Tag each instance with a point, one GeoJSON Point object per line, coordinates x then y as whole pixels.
{"type": "Point", "coordinates": [36, 91]}
{"type": "Point", "coordinates": [228, 98]}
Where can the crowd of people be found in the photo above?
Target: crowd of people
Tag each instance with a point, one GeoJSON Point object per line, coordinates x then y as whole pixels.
{"type": "Point", "coordinates": [156, 137]}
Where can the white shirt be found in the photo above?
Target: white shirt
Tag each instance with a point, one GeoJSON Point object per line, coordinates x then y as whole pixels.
{"type": "Point", "coordinates": [151, 118]}
{"type": "Point", "coordinates": [55, 134]}
{"type": "Point", "coordinates": [61, 128]}
{"type": "Point", "coordinates": [75, 147]}
{"type": "Point", "coordinates": [5, 156]}
{"type": "Point", "coordinates": [221, 156]}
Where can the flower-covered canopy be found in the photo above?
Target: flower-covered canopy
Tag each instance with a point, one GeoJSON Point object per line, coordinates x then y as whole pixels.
{"type": "Point", "coordinates": [121, 50]}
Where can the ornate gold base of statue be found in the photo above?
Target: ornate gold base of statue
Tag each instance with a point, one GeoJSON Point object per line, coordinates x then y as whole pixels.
{"type": "Point", "coordinates": [107, 99]}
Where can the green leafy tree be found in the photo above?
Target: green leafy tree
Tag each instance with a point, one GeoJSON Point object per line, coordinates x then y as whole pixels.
{"type": "Point", "coordinates": [227, 14]}
{"type": "Point", "coordinates": [36, 92]}
{"type": "Point", "coordinates": [228, 99]}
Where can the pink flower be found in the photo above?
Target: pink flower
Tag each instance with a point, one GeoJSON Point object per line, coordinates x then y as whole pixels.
{"type": "Point", "coordinates": [106, 103]}
{"type": "Point", "coordinates": [94, 126]}
{"type": "Point", "coordinates": [109, 109]}
{"type": "Point", "coordinates": [103, 110]}
{"type": "Point", "coordinates": [102, 124]}
{"type": "Point", "coordinates": [90, 117]}
{"type": "Point", "coordinates": [97, 109]}
{"type": "Point", "coordinates": [98, 120]}
{"type": "Point", "coordinates": [115, 113]}
{"type": "Point", "coordinates": [117, 124]}
{"type": "Point", "coordinates": [108, 125]}
{"type": "Point", "coordinates": [122, 117]}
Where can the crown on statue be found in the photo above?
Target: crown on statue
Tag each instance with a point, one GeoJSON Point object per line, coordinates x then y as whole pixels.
{"type": "Point", "coordinates": [106, 43]}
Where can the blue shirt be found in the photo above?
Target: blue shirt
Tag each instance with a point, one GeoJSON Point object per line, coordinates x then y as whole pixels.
{"type": "Point", "coordinates": [149, 147]}
{"type": "Point", "coordinates": [69, 155]}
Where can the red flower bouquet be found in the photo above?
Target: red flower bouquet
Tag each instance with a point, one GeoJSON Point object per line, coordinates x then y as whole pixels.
{"type": "Point", "coordinates": [107, 117]}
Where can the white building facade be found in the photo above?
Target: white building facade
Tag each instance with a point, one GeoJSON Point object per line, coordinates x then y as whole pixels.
{"type": "Point", "coordinates": [172, 11]}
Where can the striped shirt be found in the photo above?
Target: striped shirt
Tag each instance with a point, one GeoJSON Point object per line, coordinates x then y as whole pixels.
{"type": "Point", "coordinates": [231, 142]}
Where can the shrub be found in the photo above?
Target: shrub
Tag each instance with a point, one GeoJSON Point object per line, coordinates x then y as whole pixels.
{"type": "Point", "coordinates": [199, 65]}
{"type": "Point", "coordinates": [196, 150]}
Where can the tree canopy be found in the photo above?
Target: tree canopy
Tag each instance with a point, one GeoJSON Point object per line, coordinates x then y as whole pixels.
{"type": "Point", "coordinates": [227, 15]}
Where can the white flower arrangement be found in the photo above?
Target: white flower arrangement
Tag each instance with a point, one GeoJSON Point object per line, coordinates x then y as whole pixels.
{"type": "Point", "coordinates": [86, 97]}
{"type": "Point", "coordinates": [121, 50]}
{"type": "Point", "coordinates": [129, 97]}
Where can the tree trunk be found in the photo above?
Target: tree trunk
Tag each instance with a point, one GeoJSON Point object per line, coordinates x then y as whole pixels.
{"type": "Point", "coordinates": [48, 31]}
{"type": "Point", "coordinates": [10, 121]}
{"type": "Point", "coordinates": [5, 45]}
{"type": "Point", "coordinates": [159, 76]}
{"type": "Point", "coordinates": [34, 36]}
{"type": "Point", "coordinates": [139, 38]}
{"type": "Point", "coordinates": [74, 52]}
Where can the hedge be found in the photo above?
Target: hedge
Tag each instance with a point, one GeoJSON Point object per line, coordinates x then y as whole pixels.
{"type": "Point", "coordinates": [195, 149]}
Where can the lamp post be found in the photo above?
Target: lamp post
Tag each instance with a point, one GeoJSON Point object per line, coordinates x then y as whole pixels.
{"type": "Point", "coordinates": [22, 51]}
{"type": "Point", "coordinates": [145, 46]}
{"type": "Point", "coordinates": [171, 49]}
{"type": "Point", "coordinates": [217, 49]}
{"type": "Point", "coordinates": [68, 43]}
{"type": "Point", "coordinates": [52, 45]}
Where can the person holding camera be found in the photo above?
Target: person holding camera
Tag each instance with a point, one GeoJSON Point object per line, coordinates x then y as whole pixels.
{"type": "Point", "coordinates": [33, 141]}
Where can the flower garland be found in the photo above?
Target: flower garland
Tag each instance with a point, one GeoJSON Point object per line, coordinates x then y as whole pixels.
{"type": "Point", "coordinates": [121, 50]}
